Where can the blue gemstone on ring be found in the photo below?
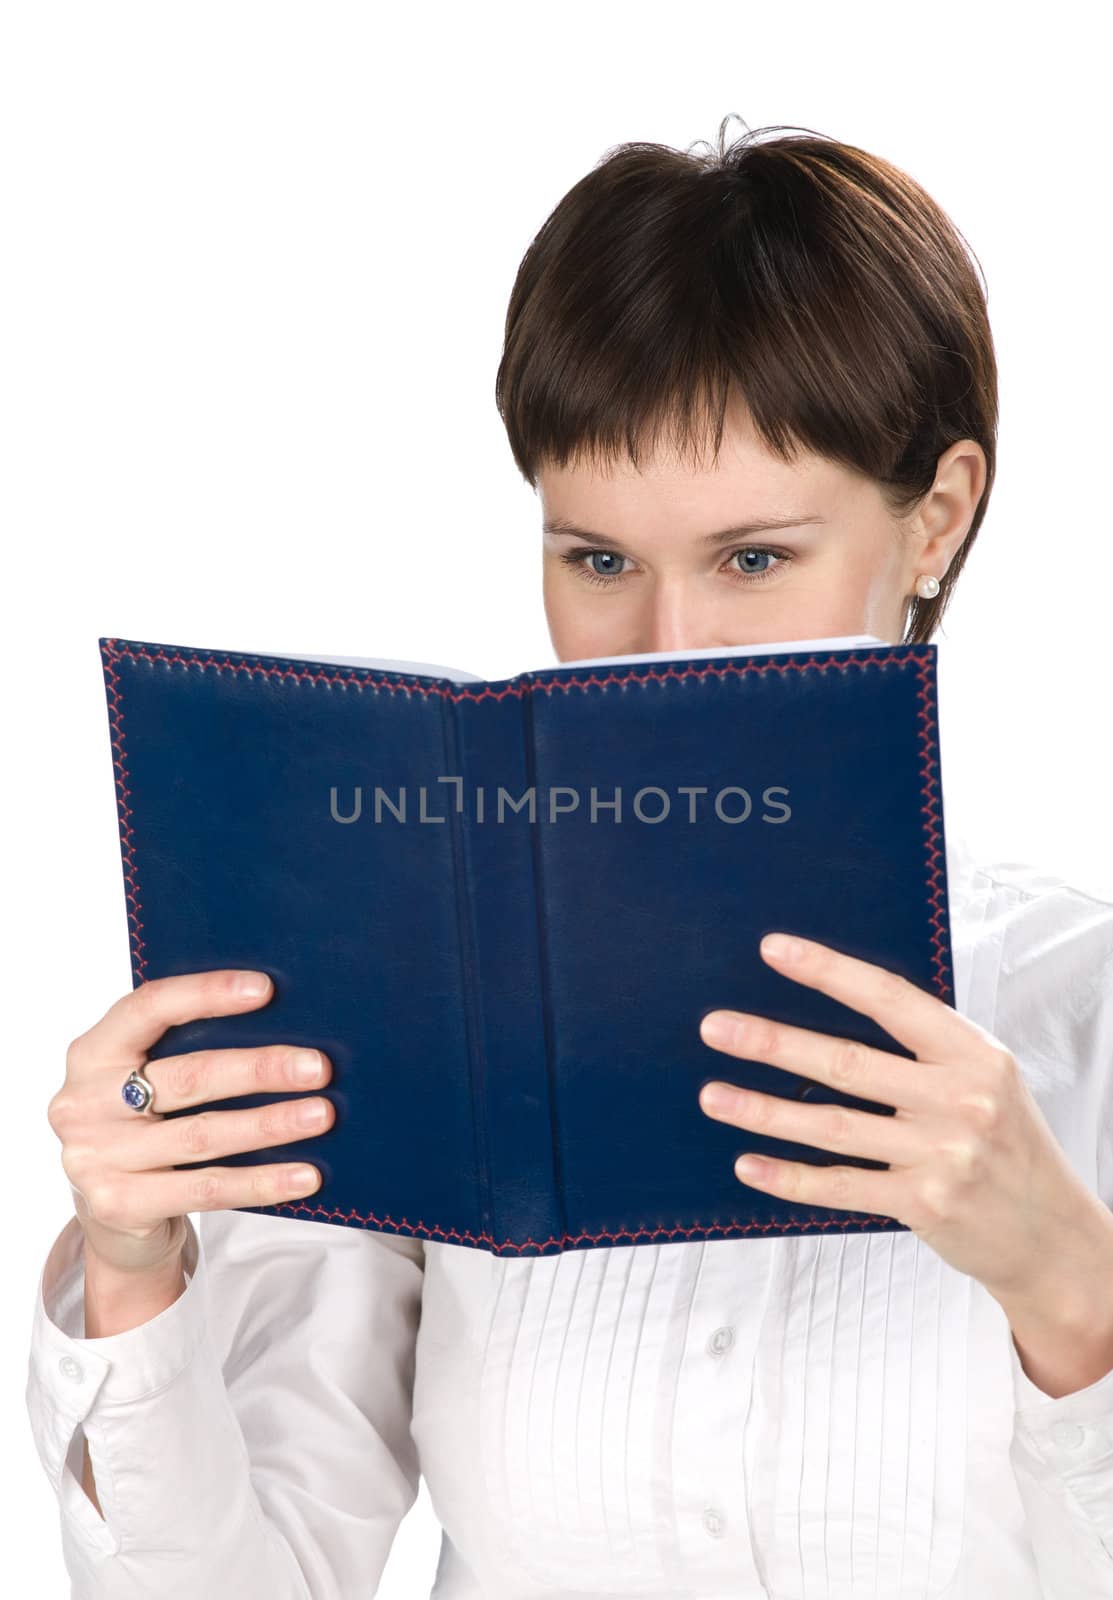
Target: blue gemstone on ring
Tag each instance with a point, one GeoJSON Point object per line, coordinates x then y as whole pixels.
{"type": "Point", "coordinates": [136, 1094]}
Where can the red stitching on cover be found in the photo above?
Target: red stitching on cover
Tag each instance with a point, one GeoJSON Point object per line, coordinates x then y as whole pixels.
{"type": "Point", "coordinates": [918, 657]}
{"type": "Point", "coordinates": [515, 686]}
{"type": "Point", "coordinates": [416, 1229]}
{"type": "Point", "coordinates": [123, 795]}
{"type": "Point", "coordinates": [930, 811]}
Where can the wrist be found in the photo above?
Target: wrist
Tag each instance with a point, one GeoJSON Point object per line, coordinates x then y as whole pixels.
{"type": "Point", "coordinates": [122, 1293]}
{"type": "Point", "coordinates": [1062, 1323]}
{"type": "Point", "coordinates": [110, 1251]}
{"type": "Point", "coordinates": [1069, 1271]}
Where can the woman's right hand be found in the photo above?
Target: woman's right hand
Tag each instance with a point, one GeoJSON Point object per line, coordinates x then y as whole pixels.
{"type": "Point", "coordinates": [119, 1162]}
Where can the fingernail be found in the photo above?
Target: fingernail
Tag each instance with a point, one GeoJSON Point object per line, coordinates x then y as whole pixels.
{"type": "Point", "coordinates": [714, 1098]}
{"type": "Point", "coordinates": [311, 1113]}
{"type": "Point", "coordinates": [306, 1066]}
{"type": "Point", "coordinates": [252, 983]}
{"type": "Point", "coordinates": [715, 1028]}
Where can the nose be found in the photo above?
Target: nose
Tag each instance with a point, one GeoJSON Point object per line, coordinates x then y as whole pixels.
{"type": "Point", "coordinates": [677, 616]}
{"type": "Point", "coordinates": [678, 637]}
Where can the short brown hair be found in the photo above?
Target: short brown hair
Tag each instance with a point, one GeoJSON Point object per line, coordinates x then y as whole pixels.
{"type": "Point", "coordinates": [820, 281]}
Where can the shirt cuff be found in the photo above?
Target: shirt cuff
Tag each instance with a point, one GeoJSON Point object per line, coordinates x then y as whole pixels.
{"type": "Point", "coordinates": [68, 1373]}
{"type": "Point", "coordinates": [1070, 1438]}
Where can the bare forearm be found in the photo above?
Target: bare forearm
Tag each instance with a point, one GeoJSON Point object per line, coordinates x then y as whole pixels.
{"type": "Point", "coordinates": [116, 1301]}
{"type": "Point", "coordinates": [1063, 1331]}
{"type": "Point", "coordinates": [1063, 1360]}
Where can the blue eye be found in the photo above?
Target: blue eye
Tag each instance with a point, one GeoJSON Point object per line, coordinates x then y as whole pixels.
{"type": "Point", "coordinates": [754, 552]}
{"type": "Point", "coordinates": [602, 567]}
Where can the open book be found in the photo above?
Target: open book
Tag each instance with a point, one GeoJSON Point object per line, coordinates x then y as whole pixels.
{"type": "Point", "coordinates": [501, 908]}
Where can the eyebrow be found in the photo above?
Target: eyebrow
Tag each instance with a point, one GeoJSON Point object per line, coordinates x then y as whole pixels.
{"type": "Point", "coordinates": [561, 528]}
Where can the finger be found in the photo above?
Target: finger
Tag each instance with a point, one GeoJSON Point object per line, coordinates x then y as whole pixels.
{"type": "Point", "coordinates": [843, 1064]}
{"type": "Point", "coordinates": [211, 1135]}
{"type": "Point", "coordinates": [918, 1020]}
{"type": "Point", "coordinates": [133, 1023]}
{"type": "Point", "coordinates": [836, 1129]}
{"type": "Point", "coordinates": [876, 1195]}
{"type": "Point", "coordinates": [199, 1076]}
{"type": "Point", "coordinates": [130, 1201]}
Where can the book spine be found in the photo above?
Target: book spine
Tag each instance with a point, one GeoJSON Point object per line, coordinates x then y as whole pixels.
{"type": "Point", "coordinates": [502, 914]}
{"type": "Point", "coordinates": [480, 1231]}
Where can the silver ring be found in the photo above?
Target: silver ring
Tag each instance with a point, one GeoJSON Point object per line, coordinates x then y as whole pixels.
{"type": "Point", "coordinates": [137, 1092]}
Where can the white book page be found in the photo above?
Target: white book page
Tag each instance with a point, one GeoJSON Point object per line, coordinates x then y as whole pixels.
{"type": "Point", "coordinates": [458, 675]}
{"type": "Point", "coordinates": [849, 641]}
{"type": "Point", "coordinates": [423, 669]}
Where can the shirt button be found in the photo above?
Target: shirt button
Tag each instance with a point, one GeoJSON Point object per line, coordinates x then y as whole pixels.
{"type": "Point", "coordinates": [1068, 1434]}
{"type": "Point", "coordinates": [720, 1341]}
{"type": "Point", "coordinates": [714, 1522]}
{"type": "Point", "coordinates": [69, 1368]}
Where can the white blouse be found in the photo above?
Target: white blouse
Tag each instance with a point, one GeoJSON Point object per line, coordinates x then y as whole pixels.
{"type": "Point", "coordinates": [794, 1417]}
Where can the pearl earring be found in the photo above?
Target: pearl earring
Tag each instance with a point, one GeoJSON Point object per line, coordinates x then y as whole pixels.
{"type": "Point", "coordinates": [927, 586]}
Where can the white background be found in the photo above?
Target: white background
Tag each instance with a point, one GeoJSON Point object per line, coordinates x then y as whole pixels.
{"type": "Point", "coordinates": [254, 272]}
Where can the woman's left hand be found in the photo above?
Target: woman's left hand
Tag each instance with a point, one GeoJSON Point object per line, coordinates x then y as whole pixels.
{"type": "Point", "coordinates": [974, 1168]}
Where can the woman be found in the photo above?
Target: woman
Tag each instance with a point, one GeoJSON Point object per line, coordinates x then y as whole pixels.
{"type": "Point", "coordinates": [787, 333]}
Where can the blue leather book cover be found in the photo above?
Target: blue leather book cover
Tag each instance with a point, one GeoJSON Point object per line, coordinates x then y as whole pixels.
{"type": "Point", "coordinates": [502, 908]}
